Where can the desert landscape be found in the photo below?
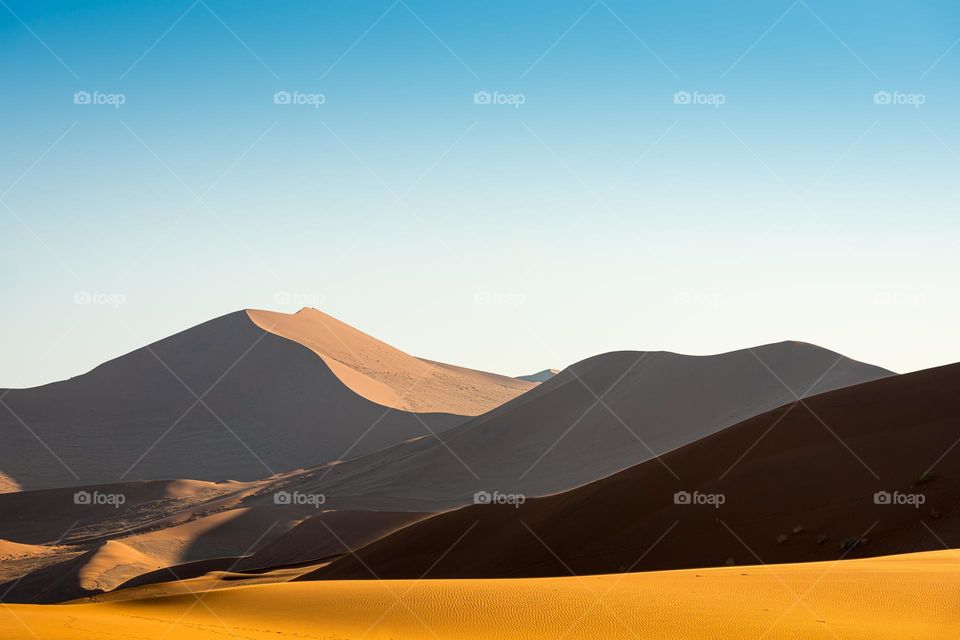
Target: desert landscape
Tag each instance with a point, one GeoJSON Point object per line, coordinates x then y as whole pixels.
{"type": "Point", "coordinates": [632, 494]}
{"type": "Point", "coordinates": [432, 320]}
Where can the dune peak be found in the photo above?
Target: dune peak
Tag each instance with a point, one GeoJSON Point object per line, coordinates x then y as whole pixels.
{"type": "Point", "coordinates": [386, 375]}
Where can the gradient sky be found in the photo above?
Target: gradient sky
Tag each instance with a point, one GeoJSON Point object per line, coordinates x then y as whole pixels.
{"type": "Point", "coordinates": [597, 215]}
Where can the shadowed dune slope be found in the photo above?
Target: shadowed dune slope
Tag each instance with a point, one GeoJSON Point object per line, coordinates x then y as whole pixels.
{"type": "Point", "coordinates": [798, 483]}
{"type": "Point", "coordinates": [313, 541]}
{"type": "Point", "coordinates": [54, 549]}
{"type": "Point", "coordinates": [49, 516]}
{"type": "Point", "coordinates": [911, 596]}
{"type": "Point", "coordinates": [593, 419]}
{"type": "Point", "coordinates": [222, 400]}
{"type": "Point", "coordinates": [386, 375]}
{"type": "Point", "coordinates": [159, 524]}
{"type": "Point", "coordinates": [326, 535]}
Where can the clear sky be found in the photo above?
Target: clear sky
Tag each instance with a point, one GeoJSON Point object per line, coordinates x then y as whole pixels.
{"type": "Point", "coordinates": [499, 184]}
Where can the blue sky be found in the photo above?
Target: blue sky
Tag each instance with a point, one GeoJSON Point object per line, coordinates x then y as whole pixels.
{"type": "Point", "coordinates": [654, 175]}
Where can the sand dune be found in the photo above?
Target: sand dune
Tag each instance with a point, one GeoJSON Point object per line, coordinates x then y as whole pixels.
{"type": "Point", "coordinates": [49, 515]}
{"type": "Point", "coordinates": [305, 546]}
{"type": "Point", "coordinates": [327, 535]}
{"type": "Point", "coordinates": [18, 560]}
{"type": "Point", "coordinates": [192, 527]}
{"type": "Point", "coordinates": [8, 484]}
{"type": "Point", "coordinates": [798, 484]}
{"type": "Point", "coordinates": [540, 376]}
{"type": "Point", "coordinates": [222, 400]}
{"type": "Point", "coordinates": [386, 375]}
{"type": "Point", "coordinates": [196, 577]}
{"type": "Point", "coordinates": [16, 550]}
{"type": "Point", "coordinates": [910, 596]}
{"type": "Point", "coordinates": [596, 418]}
{"type": "Point", "coordinates": [272, 393]}
{"type": "Point", "coordinates": [160, 524]}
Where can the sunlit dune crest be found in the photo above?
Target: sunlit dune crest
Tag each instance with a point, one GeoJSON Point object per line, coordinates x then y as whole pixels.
{"type": "Point", "coordinates": [386, 375]}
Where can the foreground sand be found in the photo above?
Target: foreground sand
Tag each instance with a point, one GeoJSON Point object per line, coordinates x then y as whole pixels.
{"type": "Point", "coordinates": [908, 596]}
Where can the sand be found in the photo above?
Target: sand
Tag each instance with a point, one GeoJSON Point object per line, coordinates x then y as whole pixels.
{"type": "Point", "coordinates": [16, 550]}
{"type": "Point", "coordinates": [269, 405]}
{"type": "Point", "coordinates": [798, 483]}
{"type": "Point", "coordinates": [189, 526]}
{"type": "Point", "coordinates": [910, 596]}
{"type": "Point", "coordinates": [386, 375]}
{"type": "Point", "coordinates": [559, 436]}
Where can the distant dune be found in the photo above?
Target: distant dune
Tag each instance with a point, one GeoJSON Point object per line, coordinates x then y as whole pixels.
{"type": "Point", "coordinates": [15, 549]}
{"type": "Point", "coordinates": [800, 483]}
{"type": "Point", "coordinates": [595, 418]}
{"type": "Point", "coordinates": [385, 375]}
{"type": "Point", "coordinates": [891, 598]}
{"type": "Point", "coordinates": [540, 376]}
{"type": "Point", "coordinates": [227, 400]}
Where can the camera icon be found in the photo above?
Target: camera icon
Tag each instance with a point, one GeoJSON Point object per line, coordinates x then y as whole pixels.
{"type": "Point", "coordinates": [882, 97]}
{"type": "Point", "coordinates": [882, 497]}
{"type": "Point", "coordinates": [282, 497]}
{"type": "Point", "coordinates": [82, 497]}
{"type": "Point", "coordinates": [682, 97]}
{"type": "Point", "coordinates": [482, 497]}
{"type": "Point", "coordinates": [482, 97]}
{"type": "Point", "coordinates": [282, 97]}
{"type": "Point", "coordinates": [682, 497]}
{"type": "Point", "coordinates": [82, 97]}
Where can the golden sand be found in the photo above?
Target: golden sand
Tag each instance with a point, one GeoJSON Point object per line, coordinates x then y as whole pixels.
{"type": "Point", "coordinates": [908, 596]}
{"type": "Point", "coordinates": [385, 375]}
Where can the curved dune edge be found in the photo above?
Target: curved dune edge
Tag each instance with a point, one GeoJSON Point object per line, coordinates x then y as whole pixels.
{"type": "Point", "coordinates": [910, 595]}
{"type": "Point", "coordinates": [8, 484]}
{"type": "Point", "coordinates": [387, 376]}
{"type": "Point", "coordinates": [10, 549]}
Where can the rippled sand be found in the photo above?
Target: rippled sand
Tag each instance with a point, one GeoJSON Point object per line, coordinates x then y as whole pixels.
{"type": "Point", "coordinates": [909, 596]}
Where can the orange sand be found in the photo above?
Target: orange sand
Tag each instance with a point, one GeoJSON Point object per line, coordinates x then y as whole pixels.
{"type": "Point", "coordinates": [907, 596]}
